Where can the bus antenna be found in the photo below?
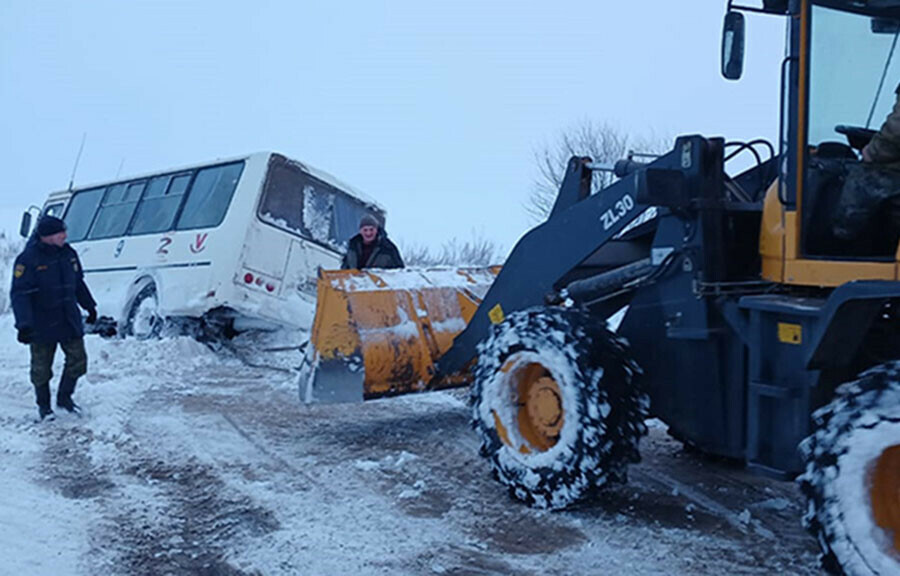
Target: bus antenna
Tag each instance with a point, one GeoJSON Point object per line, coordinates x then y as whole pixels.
{"type": "Point", "coordinates": [119, 171]}
{"type": "Point", "coordinates": [77, 159]}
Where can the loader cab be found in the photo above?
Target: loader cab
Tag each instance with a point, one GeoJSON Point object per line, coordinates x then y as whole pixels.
{"type": "Point", "coordinates": [838, 78]}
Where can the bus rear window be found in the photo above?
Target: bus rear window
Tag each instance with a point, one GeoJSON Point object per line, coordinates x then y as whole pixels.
{"type": "Point", "coordinates": [209, 197]}
{"type": "Point", "coordinates": [81, 212]}
{"type": "Point", "coordinates": [299, 203]}
{"type": "Point", "coordinates": [282, 202]}
{"type": "Point", "coordinates": [347, 214]}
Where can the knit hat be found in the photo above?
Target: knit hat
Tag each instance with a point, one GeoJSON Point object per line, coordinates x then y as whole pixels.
{"type": "Point", "coordinates": [50, 225]}
{"type": "Point", "coordinates": [368, 220]}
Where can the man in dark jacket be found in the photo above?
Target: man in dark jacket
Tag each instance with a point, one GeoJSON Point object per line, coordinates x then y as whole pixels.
{"type": "Point", "coordinates": [47, 288]}
{"type": "Point", "coordinates": [371, 248]}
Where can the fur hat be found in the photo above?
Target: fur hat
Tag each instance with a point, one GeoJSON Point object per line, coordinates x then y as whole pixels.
{"type": "Point", "coordinates": [50, 225]}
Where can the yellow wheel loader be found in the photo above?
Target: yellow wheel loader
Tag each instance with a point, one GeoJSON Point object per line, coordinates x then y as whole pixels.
{"type": "Point", "coordinates": [757, 314]}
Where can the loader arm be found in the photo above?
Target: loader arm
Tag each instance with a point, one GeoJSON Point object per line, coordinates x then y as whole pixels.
{"type": "Point", "coordinates": [549, 251]}
{"type": "Point", "coordinates": [386, 332]}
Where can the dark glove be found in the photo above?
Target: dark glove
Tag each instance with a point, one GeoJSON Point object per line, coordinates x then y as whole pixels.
{"type": "Point", "coordinates": [92, 316]}
{"type": "Point", "coordinates": [25, 335]}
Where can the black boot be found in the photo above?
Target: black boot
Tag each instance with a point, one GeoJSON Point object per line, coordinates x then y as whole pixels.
{"type": "Point", "coordinates": [42, 393]}
{"type": "Point", "coordinates": [64, 395]}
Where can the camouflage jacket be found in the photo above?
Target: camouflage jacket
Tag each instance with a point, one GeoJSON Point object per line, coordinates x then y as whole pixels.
{"type": "Point", "coordinates": [885, 145]}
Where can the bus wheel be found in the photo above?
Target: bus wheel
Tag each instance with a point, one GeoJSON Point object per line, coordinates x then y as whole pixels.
{"type": "Point", "coordinates": [144, 321]}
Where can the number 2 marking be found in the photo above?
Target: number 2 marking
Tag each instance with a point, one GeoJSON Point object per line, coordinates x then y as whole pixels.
{"type": "Point", "coordinates": [614, 214]}
{"type": "Point", "coordinates": [163, 245]}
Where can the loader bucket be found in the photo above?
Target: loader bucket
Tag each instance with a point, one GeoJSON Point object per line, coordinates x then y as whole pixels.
{"type": "Point", "coordinates": [380, 332]}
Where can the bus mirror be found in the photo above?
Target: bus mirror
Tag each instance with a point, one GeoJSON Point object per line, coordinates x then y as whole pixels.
{"type": "Point", "coordinates": [733, 46]}
{"type": "Point", "coordinates": [25, 227]}
{"type": "Point", "coordinates": [885, 26]}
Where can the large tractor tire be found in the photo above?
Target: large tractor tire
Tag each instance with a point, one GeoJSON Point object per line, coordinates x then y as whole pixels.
{"type": "Point", "coordinates": [556, 405]}
{"type": "Point", "coordinates": [852, 478]}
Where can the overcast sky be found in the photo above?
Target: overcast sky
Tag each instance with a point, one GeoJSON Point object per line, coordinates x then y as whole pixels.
{"type": "Point", "coordinates": [434, 108]}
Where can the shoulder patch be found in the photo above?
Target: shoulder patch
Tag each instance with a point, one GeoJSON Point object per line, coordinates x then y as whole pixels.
{"type": "Point", "coordinates": [20, 269]}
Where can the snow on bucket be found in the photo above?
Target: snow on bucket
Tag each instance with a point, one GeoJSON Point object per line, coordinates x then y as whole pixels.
{"type": "Point", "coordinates": [380, 332]}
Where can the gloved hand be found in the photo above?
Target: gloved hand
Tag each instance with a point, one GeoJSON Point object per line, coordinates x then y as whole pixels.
{"type": "Point", "coordinates": [92, 316]}
{"type": "Point", "coordinates": [25, 335]}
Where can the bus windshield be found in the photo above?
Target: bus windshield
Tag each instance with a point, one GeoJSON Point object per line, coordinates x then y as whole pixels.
{"type": "Point", "coordinates": [853, 73]}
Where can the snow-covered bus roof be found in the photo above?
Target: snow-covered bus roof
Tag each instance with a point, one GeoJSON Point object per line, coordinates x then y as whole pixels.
{"type": "Point", "coordinates": [322, 175]}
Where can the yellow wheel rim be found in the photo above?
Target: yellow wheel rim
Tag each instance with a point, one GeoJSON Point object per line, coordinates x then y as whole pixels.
{"type": "Point", "coordinates": [539, 407]}
{"type": "Point", "coordinates": [886, 492]}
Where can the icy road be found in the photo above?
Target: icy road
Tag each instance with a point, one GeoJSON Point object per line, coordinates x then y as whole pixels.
{"type": "Point", "coordinates": [190, 461]}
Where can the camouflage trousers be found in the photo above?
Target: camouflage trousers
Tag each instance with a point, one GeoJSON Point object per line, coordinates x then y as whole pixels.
{"type": "Point", "coordinates": [74, 367]}
{"type": "Point", "coordinates": [869, 202]}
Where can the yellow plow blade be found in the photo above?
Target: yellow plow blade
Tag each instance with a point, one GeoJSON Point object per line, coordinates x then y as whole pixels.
{"type": "Point", "coordinates": [380, 332]}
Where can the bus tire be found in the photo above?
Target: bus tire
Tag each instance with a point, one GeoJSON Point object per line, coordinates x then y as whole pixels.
{"type": "Point", "coordinates": [143, 321]}
{"type": "Point", "coordinates": [851, 480]}
{"type": "Point", "coordinates": [556, 405]}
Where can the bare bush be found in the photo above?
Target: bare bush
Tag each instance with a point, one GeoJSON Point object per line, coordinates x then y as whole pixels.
{"type": "Point", "coordinates": [601, 142]}
{"type": "Point", "coordinates": [476, 251]}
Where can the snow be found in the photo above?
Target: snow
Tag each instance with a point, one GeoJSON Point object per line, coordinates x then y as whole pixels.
{"type": "Point", "coordinates": [50, 531]}
{"type": "Point", "coordinates": [63, 520]}
{"type": "Point", "coordinates": [189, 458]}
{"type": "Point", "coordinates": [455, 325]}
{"type": "Point", "coordinates": [853, 487]}
{"type": "Point", "coordinates": [497, 403]}
{"type": "Point", "coordinates": [194, 461]}
{"type": "Point", "coordinates": [404, 329]}
{"type": "Point", "coordinates": [317, 209]}
{"type": "Point", "coordinates": [391, 461]}
{"type": "Point", "coordinates": [270, 218]}
{"type": "Point", "coordinates": [335, 183]}
{"type": "Point", "coordinates": [614, 321]}
{"type": "Point", "coordinates": [476, 279]}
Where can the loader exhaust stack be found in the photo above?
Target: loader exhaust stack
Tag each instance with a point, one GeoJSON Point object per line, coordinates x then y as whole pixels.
{"type": "Point", "coordinates": [380, 332]}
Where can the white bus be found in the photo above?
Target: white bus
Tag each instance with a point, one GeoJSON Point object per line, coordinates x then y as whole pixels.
{"type": "Point", "coordinates": [236, 243]}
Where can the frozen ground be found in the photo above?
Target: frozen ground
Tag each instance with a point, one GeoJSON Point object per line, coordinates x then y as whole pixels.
{"type": "Point", "coordinates": [195, 462]}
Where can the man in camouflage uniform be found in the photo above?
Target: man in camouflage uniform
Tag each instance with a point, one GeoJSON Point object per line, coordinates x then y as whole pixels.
{"type": "Point", "coordinates": [47, 288]}
{"type": "Point", "coordinates": [872, 186]}
{"type": "Point", "coordinates": [884, 148]}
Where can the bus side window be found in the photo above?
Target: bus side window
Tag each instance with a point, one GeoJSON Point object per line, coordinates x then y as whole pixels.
{"type": "Point", "coordinates": [159, 205]}
{"type": "Point", "coordinates": [209, 196]}
{"type": "Point", "coordinates": [81, 212]}
{"type": "Point", "coordinates": [116, 211]}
